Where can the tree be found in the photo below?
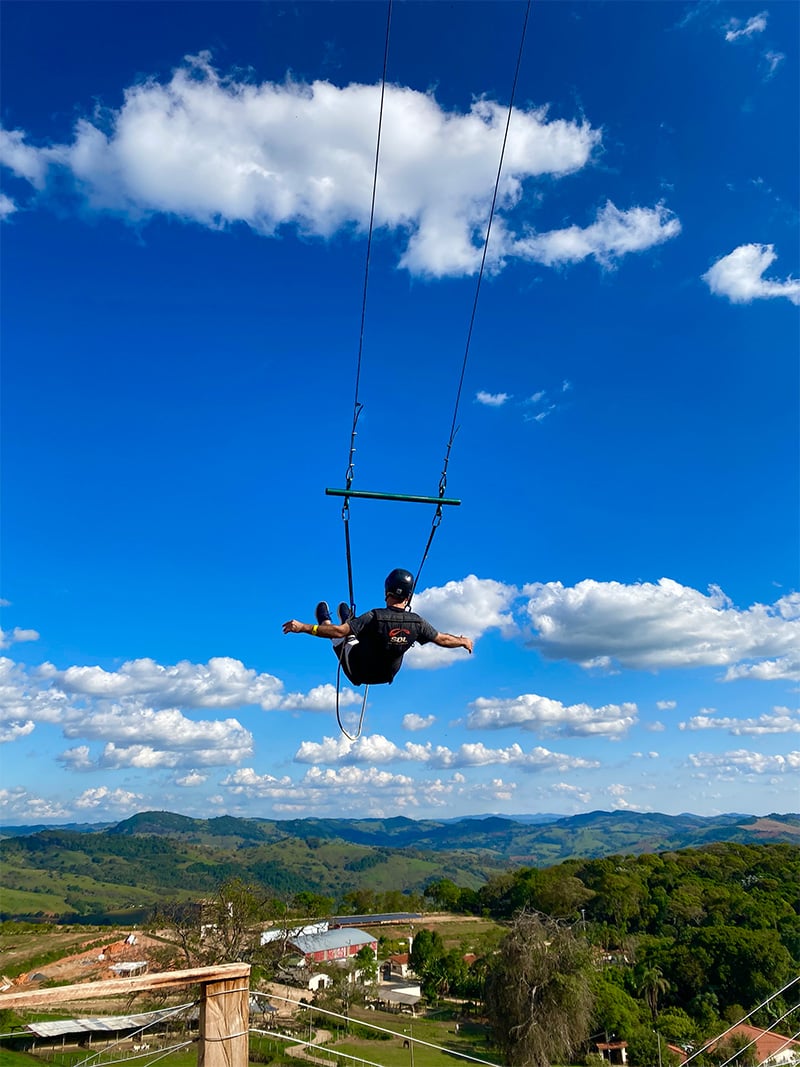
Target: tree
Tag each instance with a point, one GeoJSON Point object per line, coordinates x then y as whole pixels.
{"type": "Point", "coordinates": [538, 992]}
{"type": "Point", "coordinates": [651, 985]}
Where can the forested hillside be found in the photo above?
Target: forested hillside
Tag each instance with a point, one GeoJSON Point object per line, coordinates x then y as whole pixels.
{"type": "Point", "coordinates": [155, 856]}
{"type": "Point", "coordinates": [720, 925]}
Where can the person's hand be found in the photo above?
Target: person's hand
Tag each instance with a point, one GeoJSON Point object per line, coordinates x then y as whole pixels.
{"type": "Point", "coordinates": [292, 627]}
{"type": "Point", "coordinates": [468, 644]}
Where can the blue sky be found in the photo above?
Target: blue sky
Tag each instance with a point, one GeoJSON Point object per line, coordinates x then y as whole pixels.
{"type": "Point", "coordinates": [185, 199]}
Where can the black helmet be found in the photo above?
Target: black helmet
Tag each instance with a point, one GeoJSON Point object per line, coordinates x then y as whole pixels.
{"type": "Point", "coordinates": [399, 584]}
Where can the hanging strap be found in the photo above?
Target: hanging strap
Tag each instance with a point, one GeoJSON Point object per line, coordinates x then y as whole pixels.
{"type": "Point", "coordinates": [357, 405]}
{"type": "Point", "coordinates": [357, 734]}
{"type": "Point", "coordinates": [437, 518]}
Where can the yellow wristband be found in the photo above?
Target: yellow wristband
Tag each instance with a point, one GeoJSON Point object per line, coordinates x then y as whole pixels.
{"type": "Point", "coordinates": [314, 629]}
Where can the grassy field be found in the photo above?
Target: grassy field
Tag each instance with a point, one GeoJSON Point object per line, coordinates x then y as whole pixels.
{"type": "Point", "coordinates": [25, 946]}
{"type": "Point", "coordinates": [362, 1042]}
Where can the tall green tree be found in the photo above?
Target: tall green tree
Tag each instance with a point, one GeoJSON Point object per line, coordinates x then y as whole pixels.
{"type": "Point", "coordinates": [652, 985]}
{"type": "Point", "coordinates": [538, 992]}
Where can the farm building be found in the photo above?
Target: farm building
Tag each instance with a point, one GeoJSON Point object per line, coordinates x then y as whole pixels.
{"type": "Point", "coordinates": [396, 966]}
{"type": "Point", "coordinates": [386, 918]}
{"type": "Point", "coordinates": [771, 1049]}
{"type": "Point", "coordinates": [332, 945]}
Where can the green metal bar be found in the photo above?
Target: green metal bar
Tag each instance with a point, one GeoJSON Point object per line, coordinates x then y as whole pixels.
{"type": "Point", "coordinates": [392, 496]}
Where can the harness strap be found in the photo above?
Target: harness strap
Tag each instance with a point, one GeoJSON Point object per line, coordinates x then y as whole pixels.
{"type": "Point", "coordinates": [357, 734]}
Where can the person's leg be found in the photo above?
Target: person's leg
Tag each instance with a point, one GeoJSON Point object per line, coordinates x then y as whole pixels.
{"type": "Point", "coordinates": [346, 649]}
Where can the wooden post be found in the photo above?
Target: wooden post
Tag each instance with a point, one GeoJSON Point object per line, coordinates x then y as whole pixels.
{"type": "Point", "coordinates": [224, 1024]}
{"type": "Point", "coordinates": [224, 1005]}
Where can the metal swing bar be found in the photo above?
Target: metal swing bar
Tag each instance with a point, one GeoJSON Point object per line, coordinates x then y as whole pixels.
{"type": "Point", "coordinates": [392, 496]}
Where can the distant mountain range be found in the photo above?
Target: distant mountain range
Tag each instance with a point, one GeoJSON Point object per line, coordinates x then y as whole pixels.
{"type": "Point", "coordinates": [530, 839]}
{"type": "Point", "coordinates": [157, 855]}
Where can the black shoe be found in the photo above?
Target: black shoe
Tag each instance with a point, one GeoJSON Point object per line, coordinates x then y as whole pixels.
{"type": "Point", "coordinates": [323, 612]}
{"type": "Point", "coordinates": [344, 612]}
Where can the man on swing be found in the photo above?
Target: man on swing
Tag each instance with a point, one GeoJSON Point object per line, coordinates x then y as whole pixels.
{"type": "Point", "coordinates": [371, 647]}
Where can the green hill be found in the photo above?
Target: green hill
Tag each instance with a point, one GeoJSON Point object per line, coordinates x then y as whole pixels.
{"type": "Point", "coordinates": [156, 856]}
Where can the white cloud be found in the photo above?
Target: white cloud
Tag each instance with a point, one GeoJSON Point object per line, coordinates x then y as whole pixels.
{"type": "Point", "coordinates": [375, 748]}
{"type": "Point", "coordinates": [212, 150]}
{"type": "Point", "coordinates": [739, 276]}
{"type": "Point", "coordinates": [169, 727]}
{"type": "Point", "coordinates": [773, 61]}
{"type": "Point", "coordinates": [141, 737]}
{"type": "Point", "coordinates": [648, 626]}
{"type": "Point", "coordinates": [756, 24]}
{"type": "Point", "coordinates": [666, 705]}
{"type": "Point", "coordinates": [619, 797]}
{"type": "Point", "coordinates": [471, 607]}
{"type": "Point", "coordinates": [782, 721]}
{"type": "Point", "coordinates": [193, 778]}
{"type": "Point", "coordinates": [613, 234]}
{"type": "Point", "coordinates": [320, 698]}
{"type": "Point", "coordinates": [24, 160]}
{"type": "Point", "coordinates": [14, 730]}
{"type": "Point", "coordinates": [20, 701]}
{"type": "Point", "coordinates": [17, 801]}
{"type": "Point", "coordinates": [731, 764]}
{"type": "Point", "coordinates": [416, 722]}
{"type": "Point", "coordinates": [351, 789]}
{"type": "Point", "coordinates": [572, 792]}
{"type": "Point", "coordinates": [221, 683]}
{"type": "Point", "coordinates": [7, 206]}
{"type": "Point", "coordinates": [17, 636]}
{"type": "Point", "coordinates": [768, 670]}
{"type": "Point", "coordinates": [492, 400]}
{"type": "Point", "coordinates": [529, 711]}
{"type": "Point", "coordinates": [103, 797]}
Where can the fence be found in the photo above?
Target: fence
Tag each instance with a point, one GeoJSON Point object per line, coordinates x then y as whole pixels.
{"type": "Point", "coordinates": [224, 1005]}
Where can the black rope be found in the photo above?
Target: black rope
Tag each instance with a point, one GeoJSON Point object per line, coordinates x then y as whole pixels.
{"type": "Point", "coordinates": [453, 427]}
{"type": "Point", "coordinates": [357, 405]}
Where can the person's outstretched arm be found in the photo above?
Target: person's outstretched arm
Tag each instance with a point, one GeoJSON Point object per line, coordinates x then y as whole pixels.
{"type": "Point", "coordinates": [317, 629]}
{"type": "Point", "coordinates": [451, 641]}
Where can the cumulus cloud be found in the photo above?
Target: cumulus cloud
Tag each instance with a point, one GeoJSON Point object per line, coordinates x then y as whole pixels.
{"type": "Point", "coordinates": [21, 702]}
{"type": "Point", "coordinates": [14, 730]}
{"type": "Point", "coordinates": [741, 762]}
{"type": "Point", "coordinates": [781, 721]}
{"type": "Point", "coordinates": [18, 802]}
{"type": "Point", "coordinates": [768, 670]}
{"type": "Point", "coordinates": [210, 744]}
{"type": "Point", "coordinates": [666, 705]}
{"type": "Point", "coordinates": [492, 400]}
{"type": "Point", "coordinates": [739, 276]}
{"type": "Point", "coordinates": [213, 150]}
{"type": "Point", "coordinates": [320, 698]}
{"type": "Point", "coordinates": [618, 794]}
{"type": "Point", "coordinates": [375, 748]}
{"type": "Point", "coordinates": [17, 636]}
{"type": "Point", "coordinates": [471, 607]}
{"type": "Point", "coordinates": [572, 792]}
{"type": "Point", "coordinates": [529, 711]}
{"type": "Point", "coordinates": [613, 234]}
{"type": "Point", "coordinates": [103, 797]}
{"type": "Point", "coordinates": [735, 30]}
{"type": "Point", "coordinates": [192, 779]}
{"type": "Point", "coordinates": [653, 625]}
{"type": "Point", "coordinates": [7, 206]}
{"type": "Point", "coordinates": [349, 788]}
{"type": "Point", "coordinates": [221, 683]}
{"type": "Point", "coordinates": [415, 722]}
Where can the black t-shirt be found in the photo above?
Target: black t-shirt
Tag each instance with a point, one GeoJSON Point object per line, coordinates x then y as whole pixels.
{"type": "Point", "coordinates": [384, 636]}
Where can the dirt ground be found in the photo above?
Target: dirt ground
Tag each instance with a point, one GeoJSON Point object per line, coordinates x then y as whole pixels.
{"type": "Point", "coordinates": [90, 965]}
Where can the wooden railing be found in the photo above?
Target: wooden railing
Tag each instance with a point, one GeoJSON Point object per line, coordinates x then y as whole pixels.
{"type": "Point", "coordinates": [224, 1005]}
